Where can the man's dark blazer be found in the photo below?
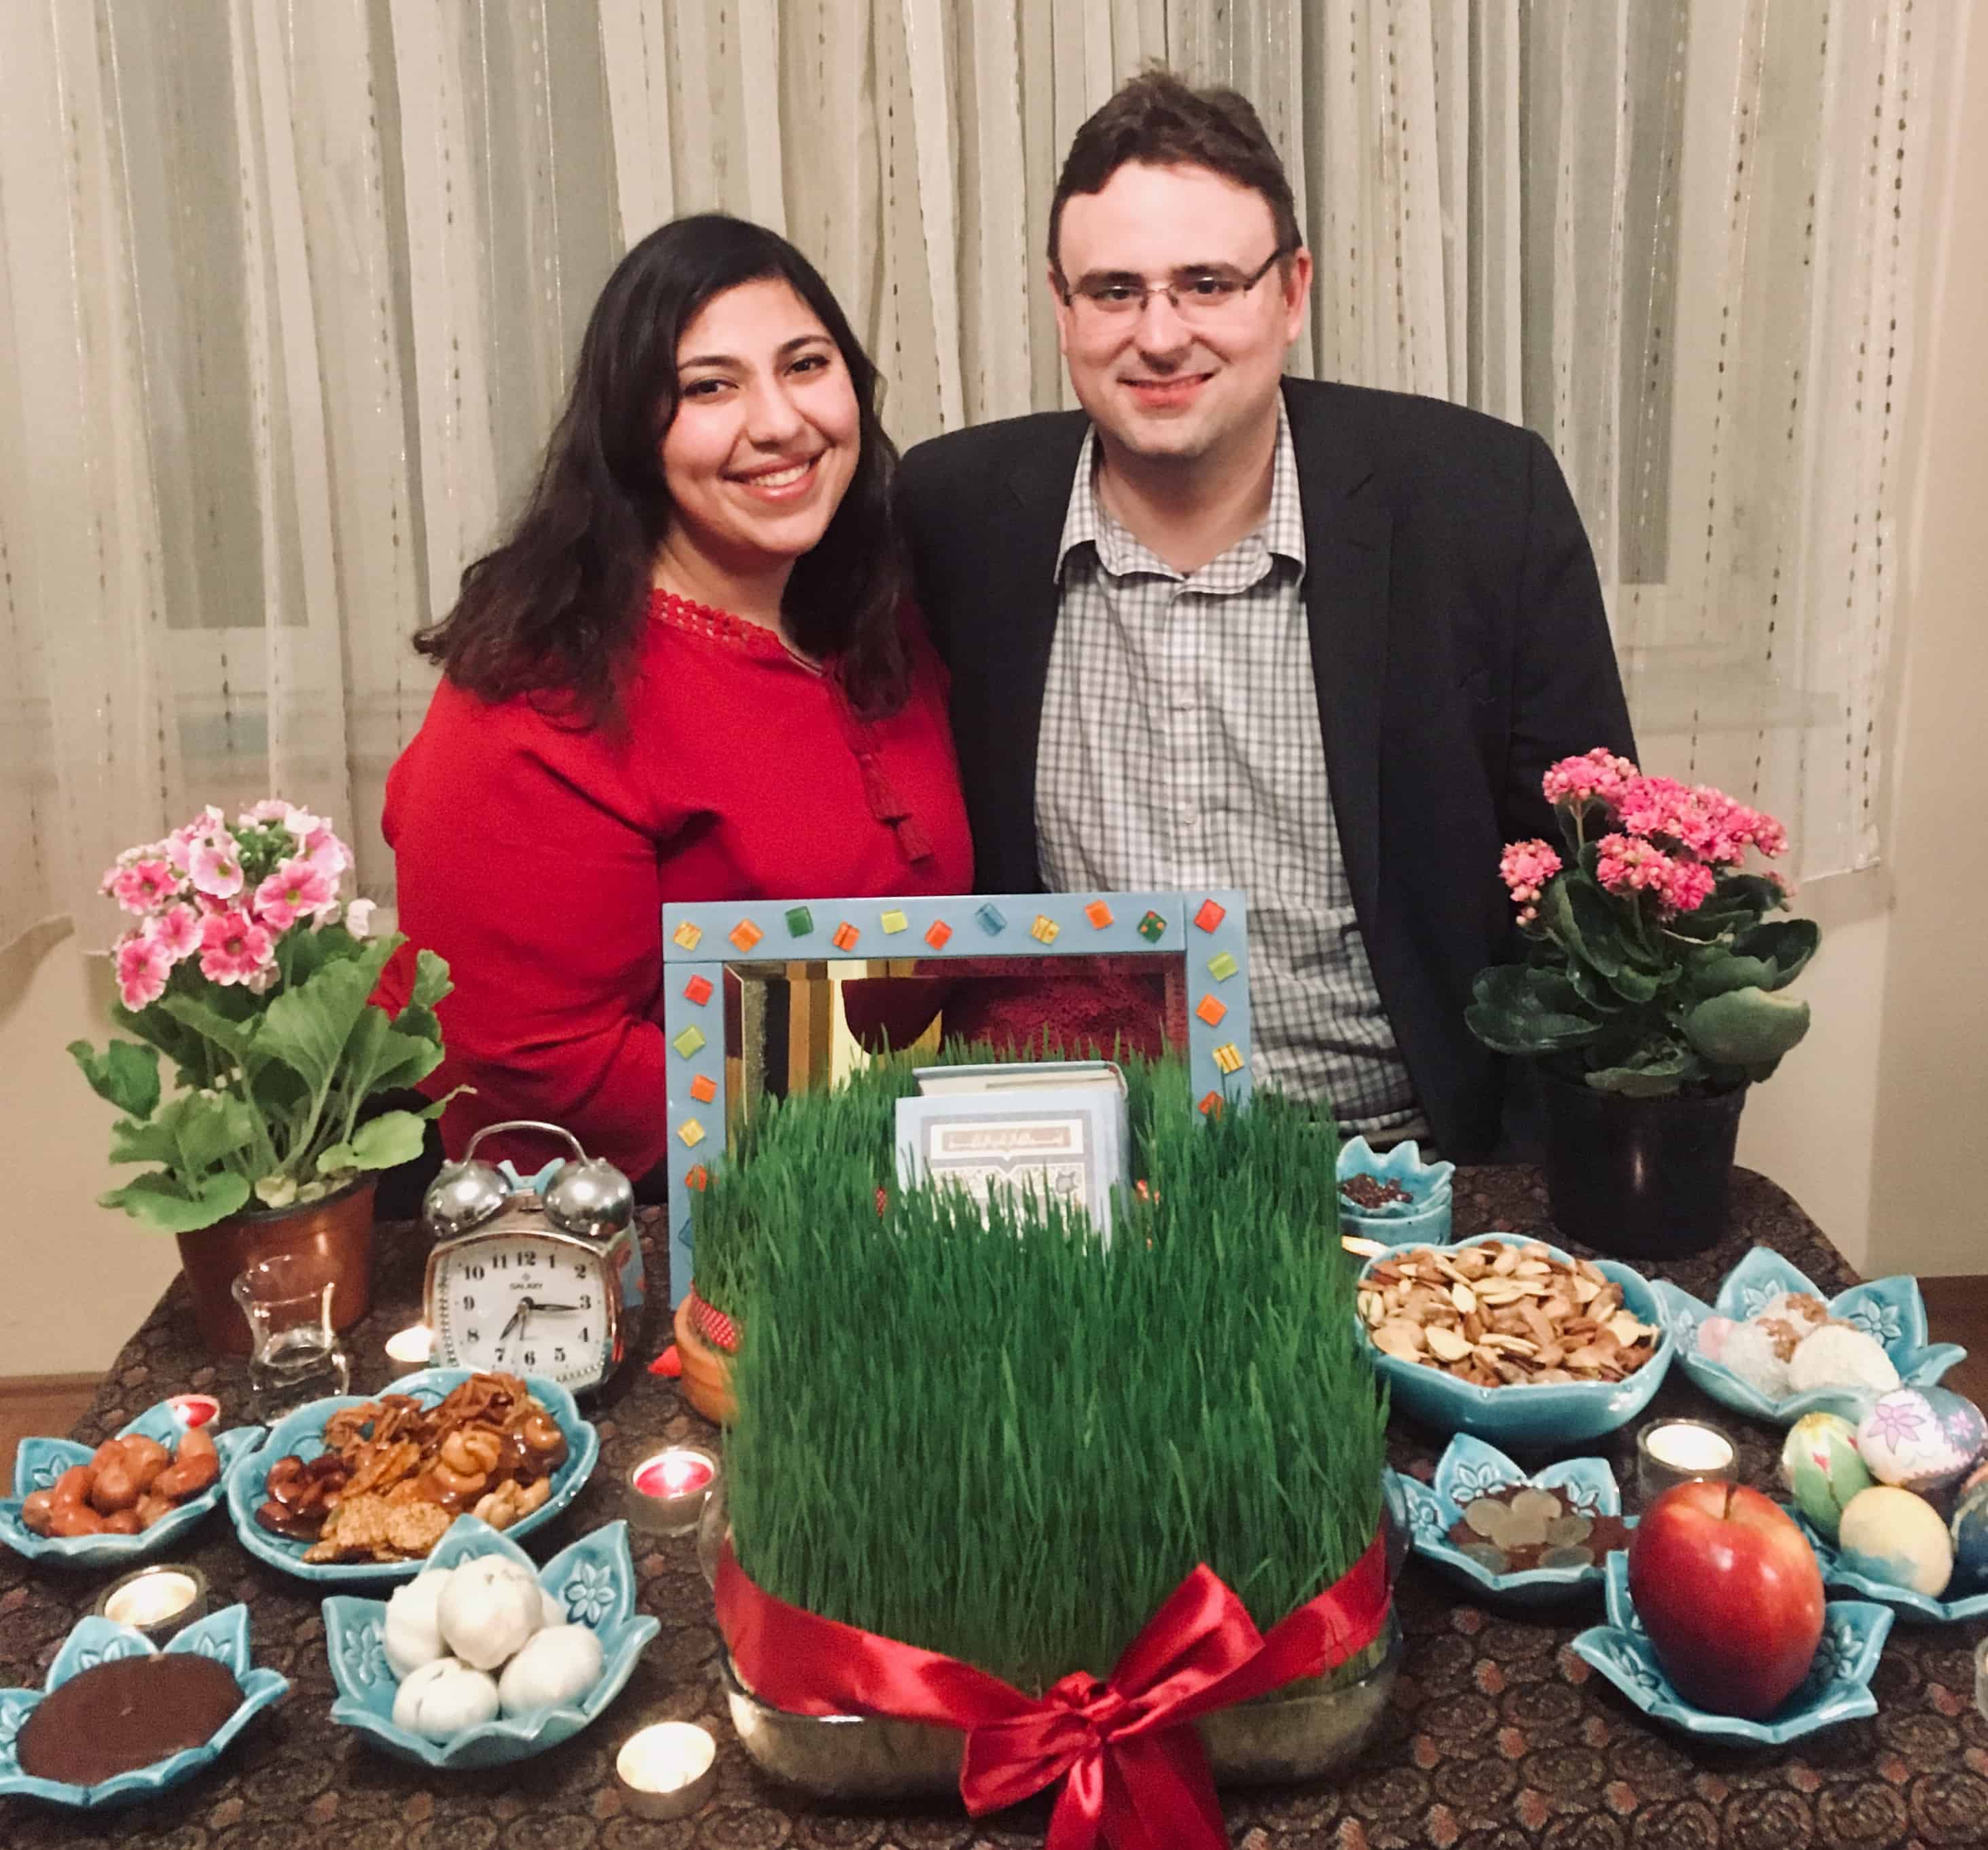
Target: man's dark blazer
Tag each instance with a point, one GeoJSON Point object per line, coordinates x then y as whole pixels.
{"type": "Point", "coordinates": [1458, 647]}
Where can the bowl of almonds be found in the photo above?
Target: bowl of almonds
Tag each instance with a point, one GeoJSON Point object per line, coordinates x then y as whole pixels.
{"type": "Point", "coordinates": [1512, 1339]}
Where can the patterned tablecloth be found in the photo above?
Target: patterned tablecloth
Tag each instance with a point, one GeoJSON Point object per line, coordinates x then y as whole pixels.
{"type": "Point", "coordinates": [1498, 1738]}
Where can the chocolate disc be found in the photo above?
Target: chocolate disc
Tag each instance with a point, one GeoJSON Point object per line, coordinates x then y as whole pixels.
{"type": "Point", "coordinates": [1567, 1531]}
{"type": "Point", "coordinates": [114, 1718]}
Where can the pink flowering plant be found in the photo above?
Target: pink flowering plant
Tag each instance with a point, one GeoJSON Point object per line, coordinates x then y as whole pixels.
{"type": "Point", "coordinates": [1651, 966]}
{"type": "Point", "coordinates": [250, 973]}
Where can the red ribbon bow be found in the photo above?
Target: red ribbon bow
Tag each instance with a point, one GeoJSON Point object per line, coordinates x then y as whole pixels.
{"type": "Point", "coordinates": [1132, 1762]}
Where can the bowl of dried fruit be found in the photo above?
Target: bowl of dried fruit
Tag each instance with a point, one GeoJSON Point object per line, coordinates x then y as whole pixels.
{"type": "Point", "coordinates": [1530, 1541]}
{"type": "Point", "coordinates": [350, 1488]}
{"type": "Point", "coordinates": [1392, 1195]}
{"type": "Point", "coordinates": [1513, 1339]}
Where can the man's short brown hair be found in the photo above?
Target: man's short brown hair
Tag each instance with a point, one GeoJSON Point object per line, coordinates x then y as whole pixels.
{"type": "Point", "coordinates": [1157, 118]}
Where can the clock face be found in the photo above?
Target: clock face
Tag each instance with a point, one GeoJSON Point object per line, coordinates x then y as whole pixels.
{"type": "Point", "coordinates": [525, 1302]}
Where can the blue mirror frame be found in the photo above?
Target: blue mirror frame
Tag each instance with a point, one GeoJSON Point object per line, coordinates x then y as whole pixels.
{"type": "Point", "coordinates": [700, 941]}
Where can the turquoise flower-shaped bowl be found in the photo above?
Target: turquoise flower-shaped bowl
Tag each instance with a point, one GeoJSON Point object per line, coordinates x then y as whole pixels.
{"type": "Point", "coordinates": [1470, 1468]}
{"type": "Point", "coordinates": [40, 1462]}
{"type": "Point", "coordinates": [222, 1636]}
{"type": "Point", "coordinates": [1914, 1608]}
{"type": "Point", "coordinates": [1837, 1689]}
{"type": "Point", "coordinates": [594, 1579]}
{"type": "Point", "coordinates": [303, 1432]}
{"type": "Point", "coordinates": [1888, 1308]}
{"type": "Point", "coordinates": [1424, 1216]}
{"type": "Point", "coordinates": [1532, 1416]}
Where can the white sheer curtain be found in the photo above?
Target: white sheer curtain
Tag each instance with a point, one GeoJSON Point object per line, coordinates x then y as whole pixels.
{"type": "Point", "coordinates": [290, 287]}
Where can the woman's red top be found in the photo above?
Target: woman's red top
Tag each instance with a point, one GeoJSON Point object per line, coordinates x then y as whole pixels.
{"type": "Point", "coordinates": [536, 858]}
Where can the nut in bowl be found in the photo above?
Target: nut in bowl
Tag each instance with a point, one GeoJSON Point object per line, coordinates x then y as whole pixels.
{"type": "Point", "coordinates": [485, 1658]}
{"type": "Point", "coordinates": [123, 1501]}
{"type": "Point", "coordinates": [353, 1489]}
{"type": "Point", "coordinates": [1513, 1340]}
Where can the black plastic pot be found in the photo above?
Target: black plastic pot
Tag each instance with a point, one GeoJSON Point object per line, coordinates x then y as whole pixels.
{"type": "Point", "coordinates": [1647, 1177]}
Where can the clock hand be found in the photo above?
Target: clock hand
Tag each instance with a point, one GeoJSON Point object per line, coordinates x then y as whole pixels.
{"type": "Point", "coordinates": [517, 1319]}
{"type": "Point", "coordinates": [537, 1306]}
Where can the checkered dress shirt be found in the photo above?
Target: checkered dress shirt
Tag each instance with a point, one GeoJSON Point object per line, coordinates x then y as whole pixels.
{"type": "Point", "coordinates": [1180, 748]}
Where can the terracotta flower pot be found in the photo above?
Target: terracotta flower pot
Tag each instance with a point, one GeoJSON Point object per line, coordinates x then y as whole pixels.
{"type": "Point", "coordinates": [1645, 1177]}
{"type": "Point", "coordinates": [707, 1371]}
{"type": "Point", "coordinates": [338, 1230]}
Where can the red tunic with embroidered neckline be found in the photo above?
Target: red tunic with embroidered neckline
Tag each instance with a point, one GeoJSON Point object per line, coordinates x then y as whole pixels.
{"type": "Point", "coordinates": [536, 858]}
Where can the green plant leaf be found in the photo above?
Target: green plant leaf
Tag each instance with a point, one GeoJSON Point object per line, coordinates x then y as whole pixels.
{"type": "Point", "coordinates": [1652, 1072]}
{"type": "Point", "coordinates": [394, 1137]}
{"type": "Point", "coordinates": [126, 1073]}
{"type": "Point", "coordinates": [431, 1112]}
{"type": "Point", "coordinates": [1712, 970]}
{"type": "Point", "coordinates": [1634, 985]}
{"type": "Point", "coordinates": [1511, 1015]}
{"type": "Point", "coordinates": [1787, 944]}
{"type": "Point", "coordinates": [431, 980]}
{"type": "Point", "coordinates": [159, 1201]}
{"type": "Point", "coordinates": [235, 1038]}
{"type": "Point", "coordinates": [1594, 990]}
{"type": "Point", "coordinates": [420, 1021]}
{"type": "Point", "coordinates": [307, 1027]}
{"type": "Point", "coordinates": [1746, 1027]}
{"type": "Point", "coordinates": [1582, 915]}
{"type": "Point", "coordinates": [191, 1135]}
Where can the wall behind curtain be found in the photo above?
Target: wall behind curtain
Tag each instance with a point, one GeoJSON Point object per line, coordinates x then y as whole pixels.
{"type": "Point", "coordinates": [291, 286]}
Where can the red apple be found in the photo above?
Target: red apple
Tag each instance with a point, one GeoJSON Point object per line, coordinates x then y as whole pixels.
{"type": "Point", "coordinates": [1728, 1588]}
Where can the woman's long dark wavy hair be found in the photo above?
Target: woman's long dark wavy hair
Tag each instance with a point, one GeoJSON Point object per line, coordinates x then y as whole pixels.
{"type": "Point", "coordinates": [557, 610]}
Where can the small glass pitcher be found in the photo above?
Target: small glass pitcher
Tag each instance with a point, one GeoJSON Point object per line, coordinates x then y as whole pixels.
{"type": "Point", "coordinates": [295, 1358]}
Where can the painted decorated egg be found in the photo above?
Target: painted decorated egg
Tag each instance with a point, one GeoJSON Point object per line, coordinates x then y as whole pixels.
{"type": "Point", "coordinates": [1892, 1535]}
{"type": "Point", "coordinates": [1921, 1439]}
{"type": "Point", "coordinates": [1820, 1468]}
{"type": "Point", "coordinates": [1970, 1530]}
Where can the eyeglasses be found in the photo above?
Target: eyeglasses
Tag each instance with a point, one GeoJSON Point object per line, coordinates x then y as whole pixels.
{"type": "Point", "coordinates": [1200, 292]}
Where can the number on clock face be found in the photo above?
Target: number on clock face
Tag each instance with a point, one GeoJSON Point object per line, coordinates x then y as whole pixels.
{"type": "Point", "coordinates": [526, 1304]}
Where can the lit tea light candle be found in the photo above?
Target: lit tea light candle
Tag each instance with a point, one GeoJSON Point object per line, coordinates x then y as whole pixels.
{"type": "Point", "coordinates": [1674, 1451]}
{"type": "Point", "coordinates": [667, 1770]}
{"type": "Point", "coordinates": [157, 1600]}
{"type": "Point", "coordinates": [195, 1409]}
{"type": "Point", "coordinates": [414, 1345]}
{"type": "Point", "coordinates": [666, 1492]}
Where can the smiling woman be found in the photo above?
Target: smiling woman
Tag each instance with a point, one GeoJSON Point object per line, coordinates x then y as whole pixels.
{"type": "Point", "coordinates": [690, 673]}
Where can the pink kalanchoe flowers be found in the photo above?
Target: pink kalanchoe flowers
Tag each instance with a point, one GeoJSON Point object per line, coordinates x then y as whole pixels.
{"type": "Point", "coordinates": [1626, 864]}
{"type": "Point", "coordinates": [1596, 774]}
{"type": "Point", "coordinates": [1525, 868]}
{"type": "Point", "coordinates": [296, 888]}
{"type": "Point", "coordinates": [1689, 886]}
{"type": "Point", "coordinates": [143, 967]}
{"type": "Point", "coordinates": [233, 947]}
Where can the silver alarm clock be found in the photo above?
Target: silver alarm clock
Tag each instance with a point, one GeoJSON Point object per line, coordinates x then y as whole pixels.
{"type": "Point", "coordinates": [526, 1282]}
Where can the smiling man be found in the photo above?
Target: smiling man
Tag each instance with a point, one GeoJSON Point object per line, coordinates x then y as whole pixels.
{"type": "Point", "coordinates": [1224, 627]}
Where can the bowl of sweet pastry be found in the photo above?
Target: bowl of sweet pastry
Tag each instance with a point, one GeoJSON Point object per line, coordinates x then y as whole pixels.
{"type": "Point", "coordinates": [353, 1488]}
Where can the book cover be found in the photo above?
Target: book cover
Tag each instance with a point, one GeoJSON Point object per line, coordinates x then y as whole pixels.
{"type": "Point", "coordinates": [1069, 1141]}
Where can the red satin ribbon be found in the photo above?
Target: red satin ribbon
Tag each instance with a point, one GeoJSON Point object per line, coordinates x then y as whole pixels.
{"type": "Point", "coordinates": [1132, 1765]}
